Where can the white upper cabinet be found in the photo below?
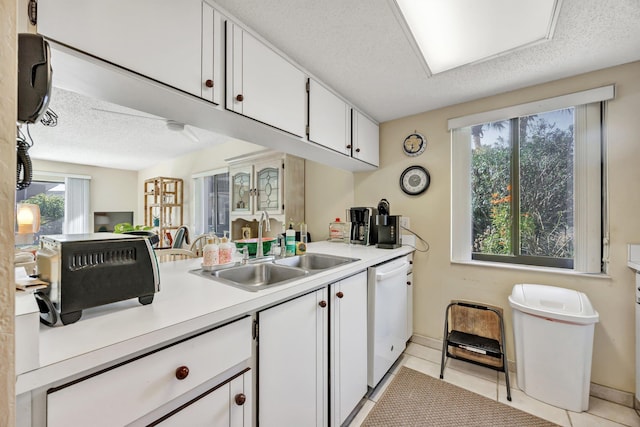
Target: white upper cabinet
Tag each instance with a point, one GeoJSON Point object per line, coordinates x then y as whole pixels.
{"type": "Point", "coordinates": [365, 139]}
{"type": "Point", "coordinates": [263, 85]}
{"type": "Point", "coordinates": [329, 119]}
{"type": "Point", "coordinates": [160, 39]}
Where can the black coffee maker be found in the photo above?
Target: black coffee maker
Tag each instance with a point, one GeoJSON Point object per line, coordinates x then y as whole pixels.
{"type": "Point", "coordinates": [388, 227]}
{"type": "Point", "coordinates": [363, 229]}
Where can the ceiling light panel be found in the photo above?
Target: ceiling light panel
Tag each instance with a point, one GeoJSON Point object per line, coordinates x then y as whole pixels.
{"type": "Point", "coordinates": [451, 33]}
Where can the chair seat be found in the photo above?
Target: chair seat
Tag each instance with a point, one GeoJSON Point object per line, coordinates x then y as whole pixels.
{"type": "Point", "coordinates": [475, 343]}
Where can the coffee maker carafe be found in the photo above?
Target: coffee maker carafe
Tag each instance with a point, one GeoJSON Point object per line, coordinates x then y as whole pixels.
{"type": "Point", "coordinates": [363, 229]}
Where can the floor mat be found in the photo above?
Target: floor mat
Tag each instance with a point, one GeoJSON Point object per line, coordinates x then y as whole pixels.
{"type": "Point", "coordinates": [416, 399]}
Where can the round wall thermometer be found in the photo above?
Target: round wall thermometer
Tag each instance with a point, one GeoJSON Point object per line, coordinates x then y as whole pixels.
{"type": "Point", "coordinates": [415, 180]}
{"type": "Point", "coordinates": [414, 144]}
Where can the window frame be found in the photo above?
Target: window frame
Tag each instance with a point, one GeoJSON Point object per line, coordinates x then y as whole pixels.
{"type": "Point", "coordinates": [590, 238]}
{"type": "Point", "coordinates": [199, 198]}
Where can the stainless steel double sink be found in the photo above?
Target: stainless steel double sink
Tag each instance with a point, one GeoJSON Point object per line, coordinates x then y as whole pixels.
{"type": "Point", "coordinates": [261, 274]}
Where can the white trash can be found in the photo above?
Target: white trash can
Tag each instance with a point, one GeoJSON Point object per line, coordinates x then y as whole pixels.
{"type": "Point", "coordinates": [553, 331]}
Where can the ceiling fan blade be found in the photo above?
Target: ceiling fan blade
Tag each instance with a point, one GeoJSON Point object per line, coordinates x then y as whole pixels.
{"type": "Point", "coordinates": [189, 133]}
{"type": "Point", "coordinates": [126, 114]}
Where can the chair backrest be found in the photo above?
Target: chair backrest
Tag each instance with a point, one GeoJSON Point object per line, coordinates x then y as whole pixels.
{"type": "Point", "coordinates": [198, 244]}
{"type": "Point", "coordinates": [181, 237]}
{"type": "Point", "coordinates": [173, 254]}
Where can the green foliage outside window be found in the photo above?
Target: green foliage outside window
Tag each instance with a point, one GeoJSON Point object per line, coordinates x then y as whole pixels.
{"type": "Point", "coordinates": [543, 197]}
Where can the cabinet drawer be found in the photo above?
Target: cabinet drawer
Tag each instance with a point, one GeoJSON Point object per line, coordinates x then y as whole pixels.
{"type": "Point", "coordinates": [121, 395]}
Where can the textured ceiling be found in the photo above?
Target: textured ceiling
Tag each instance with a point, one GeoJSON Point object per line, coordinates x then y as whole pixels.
{"type": "Point", "coordinates": [358, 48]}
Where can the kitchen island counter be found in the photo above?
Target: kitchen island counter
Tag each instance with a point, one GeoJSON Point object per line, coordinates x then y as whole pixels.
{"type": "Point", "coordinates": [185, 305]}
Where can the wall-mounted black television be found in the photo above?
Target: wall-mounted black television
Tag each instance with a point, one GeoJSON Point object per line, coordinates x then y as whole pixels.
{"type": "Point", "coordinates": [106, 221]}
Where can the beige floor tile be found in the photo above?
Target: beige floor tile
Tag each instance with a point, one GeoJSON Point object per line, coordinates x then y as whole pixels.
{"type": "Point", "coordinates": [526, 403]}
{"type": "Point", "coordinates": [423, 352]}
{"type": "Point", "coordinates": [424, 366]}
{"type": "Point", "coordinates": [611, 411]}
{"type": "Point", "coordinates": [584, 419]}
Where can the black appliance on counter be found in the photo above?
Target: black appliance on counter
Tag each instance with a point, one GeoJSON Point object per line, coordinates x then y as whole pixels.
{"type": "Point", "coordinates": [389, 233]}
{"type": "Point", "coordinates": [388, 226]}
{"type": "Point", "coordinates": [89, 270]}
{"type": "Point", "coordinates": [363, 229]}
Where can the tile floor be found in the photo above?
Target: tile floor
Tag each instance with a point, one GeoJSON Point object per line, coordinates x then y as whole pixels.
{"type": "Point", "coordinates": [483, 381]}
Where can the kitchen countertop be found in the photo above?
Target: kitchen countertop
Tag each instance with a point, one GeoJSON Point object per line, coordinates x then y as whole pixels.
{"type": "Point", "coordinates": [185, 305]}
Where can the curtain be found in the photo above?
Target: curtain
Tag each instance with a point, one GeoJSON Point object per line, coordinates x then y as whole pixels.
{"type": "Point", "coordinates": [76, 207]}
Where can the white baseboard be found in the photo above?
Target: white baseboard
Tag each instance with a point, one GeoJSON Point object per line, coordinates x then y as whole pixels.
{"type": "Point", "coordinates": [620, 397]}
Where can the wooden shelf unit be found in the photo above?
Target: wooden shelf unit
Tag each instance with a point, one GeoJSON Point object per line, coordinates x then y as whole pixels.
{"type": "Point", "coordinates": [163, 205]}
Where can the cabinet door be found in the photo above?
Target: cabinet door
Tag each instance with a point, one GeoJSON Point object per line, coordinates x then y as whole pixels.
{"type": "Point", "coordinates": [329, 119]}
{"type": "Point", "coordinates": [160, 39]}
{"type": "Point", "coordinates": [349, 345]}
{"type": "Point", "coordinates": [224, 406]}
{"type": "Point", "coordinates": [292, 362]}
{"type": "Point", "coordinates": [365, 139]}
{"type": "Point", "coordinates": [263, 85]}
{"type": "Point", "coordinates": [409, 306]}
{"type": "Point", "coordinates": [269, 183]}
{"type": "Point", "coordinates": [212, 36]}
{"type": "Point", "coordinates": [241, 189]}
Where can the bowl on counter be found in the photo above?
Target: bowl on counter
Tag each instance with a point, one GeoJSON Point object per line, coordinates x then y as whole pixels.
{"type": "Point", "coordinates": [252, 244]}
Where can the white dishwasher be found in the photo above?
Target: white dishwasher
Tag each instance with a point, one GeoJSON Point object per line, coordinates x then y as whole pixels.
{"type": "Point", "coordinates": [387, 317]}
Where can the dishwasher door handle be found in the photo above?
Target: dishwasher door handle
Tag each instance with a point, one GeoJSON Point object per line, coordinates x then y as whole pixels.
{"type": "Point", "coordinates": [381, 275]}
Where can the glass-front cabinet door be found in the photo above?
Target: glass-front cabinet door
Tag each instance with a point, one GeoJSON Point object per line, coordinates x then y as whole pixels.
{"type": "Point", "coordinates": [269, 186]}
{"type": "Point", "coordinates": [241, 189]}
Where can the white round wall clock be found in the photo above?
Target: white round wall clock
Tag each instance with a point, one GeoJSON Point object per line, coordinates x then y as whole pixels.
{"type": "Point", "coordinates": [415, 180]}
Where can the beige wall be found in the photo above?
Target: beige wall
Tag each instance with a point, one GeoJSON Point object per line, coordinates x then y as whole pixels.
{"type": "Point", "coordinates": [437, 280]}
{"type": "Point", "coordinates": [8, 111]}
{"type": "Point", "coordinates": [328, 193]}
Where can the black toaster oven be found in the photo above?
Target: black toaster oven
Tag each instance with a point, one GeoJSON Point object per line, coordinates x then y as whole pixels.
{"type": "Point", "coordinates": [89, 270]}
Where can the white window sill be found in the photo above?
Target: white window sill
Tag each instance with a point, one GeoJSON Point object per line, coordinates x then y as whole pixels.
{"type": "Point", "coordinates": [530, 268]}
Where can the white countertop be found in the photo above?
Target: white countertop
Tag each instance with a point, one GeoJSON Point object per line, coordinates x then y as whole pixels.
{"type": "Point", "coordinates": [186, 303]}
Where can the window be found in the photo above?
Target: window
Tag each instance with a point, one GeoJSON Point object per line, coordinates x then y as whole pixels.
{"type": "Point", "coordinates": [211, 200]}
{"type": "Point", "coordinates": [63, 202]}
{"type": "Point", "coordinates": [527, 184]}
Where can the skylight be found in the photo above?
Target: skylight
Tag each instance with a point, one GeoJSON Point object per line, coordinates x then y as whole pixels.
{"type": "Point", "coordinates": [451, 33]}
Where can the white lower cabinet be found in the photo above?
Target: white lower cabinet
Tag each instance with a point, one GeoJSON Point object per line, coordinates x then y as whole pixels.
{"type": "Point", "coordinates": [348, 357]}
{"type": "Point", "coordinates": [292, 362]}
{"type": "Point", "coordinates": [226, 405]}
{"type": "Point", "coordinates": [297, 362]}
{"type": "Point", "coordinates": [129, 391]}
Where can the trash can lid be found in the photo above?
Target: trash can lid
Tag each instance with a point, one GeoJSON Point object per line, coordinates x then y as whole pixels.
{"type": "Point", "coordinates": [553, 302]}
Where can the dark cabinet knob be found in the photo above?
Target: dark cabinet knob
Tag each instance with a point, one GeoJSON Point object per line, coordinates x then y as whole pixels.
{"type": "Point", "coordinates": [349, 146]}
{"type": "Point", "coordinates": [322, 304]}
{"type": "Point", "coordinates": [209, 83]}
{"type": "Point", "coordinates": [408, 283]}
{"type": "Point", "coordinates": [357, 150]}
{"type": "Point", "coordinates": [411, 262]}
{"type": "Point", "coordinates": [339, 294]}
{"type": "Point", "coordinates": [239, 98]}
{"type": "Point", "coordinates": [240, 399]}
{"type": "Point", "coordinates": [182, 372]}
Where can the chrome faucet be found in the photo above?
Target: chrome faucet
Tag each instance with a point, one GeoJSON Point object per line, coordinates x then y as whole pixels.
{"type": "Point", "coordinates": [264, 216]}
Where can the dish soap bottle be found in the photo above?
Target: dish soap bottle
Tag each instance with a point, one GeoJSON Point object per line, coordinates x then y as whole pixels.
{"type": "Point", "coordinates": [210, 253]}
{"type": "Point", "coordinates": [226, 250]}
{"type": "Point", "coordinates": [290, 241]}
